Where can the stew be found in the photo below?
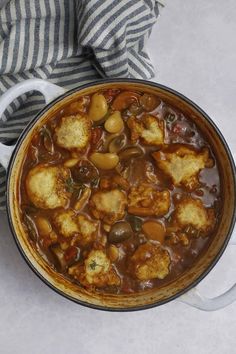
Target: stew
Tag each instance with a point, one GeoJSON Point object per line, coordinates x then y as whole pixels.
{"type": "Point", "coordinates": [120, 192]}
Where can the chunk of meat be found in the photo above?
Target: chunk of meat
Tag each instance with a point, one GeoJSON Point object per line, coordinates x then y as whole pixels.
{"type": "Point", "coordinates": [65, 222]}
{"type": "Point", "coordinates": [97, 271]}
{"type": "Point", "coordinates": [149, 262]}
{"type": "Point", "coordinates": [114, 181]}
{"type": "Point", "coordinates": [183, 164]}
{"type": "Point", "coordinates": [124, 100]}
{"type": "Point", "coordinates": [73, 132]}
{"type": "Point", "coordinates": [191, 212]}
{"type": "Point", "coordinates": [88, 230]}
{"type": "Point", "coordinates": [108, 206]}
{"type": "Point", "coordinates": [144, 200]}
{"type": "Point", "coordinates": [46, 186]}
{"type": "Point", "coordinates": [149, 129]}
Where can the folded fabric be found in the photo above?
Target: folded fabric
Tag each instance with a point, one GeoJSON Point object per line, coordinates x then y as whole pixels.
{"type": "Point", "coordinates": [69, 43]}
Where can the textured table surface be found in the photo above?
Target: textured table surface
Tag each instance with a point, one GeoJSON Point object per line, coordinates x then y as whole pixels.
{"type": "Point", "coordinates": [194, 51]}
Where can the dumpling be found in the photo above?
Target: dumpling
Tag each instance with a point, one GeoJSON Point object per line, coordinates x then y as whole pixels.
{"type": "Point", "coordinates": [149, 262]}
{"type": "Point", "coordinates": [46, 186]}
{"type": "Point", "coordinates": [183, 164]}
{"type": "Point", "coordinates": [148, 128]}
{"type": "Point", "coordinates": [73, 132]}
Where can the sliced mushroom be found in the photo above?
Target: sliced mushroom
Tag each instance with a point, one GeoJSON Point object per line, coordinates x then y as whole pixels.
{"type": "Point", "coordinates": [131, 152]}
{"type": "Point", "coordinates": [84, 171]}
{"type": "Point", "coordinates": [59, 257]}
{"type": "Point", "coordinates": [117, 143]}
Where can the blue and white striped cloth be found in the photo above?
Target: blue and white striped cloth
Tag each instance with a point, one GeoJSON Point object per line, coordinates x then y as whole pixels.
{"type": "Point", "coordinates": [69, 42]}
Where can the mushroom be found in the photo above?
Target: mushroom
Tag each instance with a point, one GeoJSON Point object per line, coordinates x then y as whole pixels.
{"type": "Point", "coordinates": [119, 232]}
{"type": "Point", "coordinates": [131, 152]}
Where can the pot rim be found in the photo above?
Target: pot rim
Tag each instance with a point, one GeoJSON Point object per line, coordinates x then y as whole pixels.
{"type": "Point", "coordinates": [32, 123]}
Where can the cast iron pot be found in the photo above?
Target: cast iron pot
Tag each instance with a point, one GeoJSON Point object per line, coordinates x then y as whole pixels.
{"type": "Point", "coordinates": [183, 288]}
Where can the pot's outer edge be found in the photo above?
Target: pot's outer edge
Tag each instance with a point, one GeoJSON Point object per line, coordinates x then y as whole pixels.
{"type": "Point", "coordinates": [97, 83]}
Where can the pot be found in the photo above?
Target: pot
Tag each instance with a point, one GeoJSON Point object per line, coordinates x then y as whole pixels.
{"type": "Point", "coordinates": [184, 288]}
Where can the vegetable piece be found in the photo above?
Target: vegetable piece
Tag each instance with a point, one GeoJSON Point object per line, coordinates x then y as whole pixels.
{"type": "Point", "coordinates": [33, 153]}
{"type": "Point", "coordinates": [120, 231]}
{"type": "Point", "coordinates": [120, 182]}
{"type": "Point", "coordinates": [71, 162]}
{"type": "Point", "coordinates": [130, 153]}
{"type": "Point", "coordinates": [117, 143]}
{"type": "Point", "coordinates": [106, 161]}
{"type": "Point", "coordinates": [124, 100]}
{"type": "Point", "coordinates": [140, 211]}
{"type": "Point", "coordinates": [73, 187]}
{"type": "Point", "coordinates": [114, 123]}
{"type": "Point", "coordinates": [110, 94]}
{"type": "Point", "coordinates": [83, 199]}
{"type": "Point", "coordinates": [78, 106]}
{"type": "Point", "coordinates": [59, 257]}
{"type": "Point", "coordinates": [184, 240]}
{"type": "Point", "coordinates": [113, 253]}
{"type": "Point", "coordinates": [47, 140]}
{"type": "Point", "coordinates": [96, 135]}
{"type": "Point", "coordinates": [98, 107]}
{"type": "Point", "coordinates": [115, 181]}
{"type": "Point", "coordinates": [135, 222]}
{"type": "Point", "coordinates": [154, 231]}
{"type": "Point", "coordinates": [71, 254]}
{"type": "Point", "coordinates": [43, 225]}
{"type": "Point", "coordinates": [170, 118]}
{"type": "Point", "coordinates": [135, 109]}
{"type": "Point", "coordinates": [30, 226]}
{"type": "Point", "coordinates": [149, 102]}
{"type": "Point", "coordinates": [106, 227]}
{"type": "Point", "coordinates": [84, 172]}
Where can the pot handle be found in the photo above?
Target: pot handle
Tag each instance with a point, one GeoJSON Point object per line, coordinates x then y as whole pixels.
{"type": "Point", "coordinates": [195, 299]}
{"type": "Point", "coordinates": [49, 91]}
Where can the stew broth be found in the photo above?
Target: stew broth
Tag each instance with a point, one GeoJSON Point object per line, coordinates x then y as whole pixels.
{"type": "Point", "coordinates": [120, 192]}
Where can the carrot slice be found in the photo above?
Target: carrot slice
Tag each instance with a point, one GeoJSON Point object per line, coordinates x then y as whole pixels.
{"type": "Point", "coordinates": [154, 231]}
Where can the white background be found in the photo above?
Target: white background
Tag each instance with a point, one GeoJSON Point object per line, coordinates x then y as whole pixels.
{"type": "Point", "coordinates": [193, 48]}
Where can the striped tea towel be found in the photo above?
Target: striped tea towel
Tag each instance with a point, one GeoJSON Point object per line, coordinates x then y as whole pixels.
{"type": "Point", "coordinates": [69, 42]}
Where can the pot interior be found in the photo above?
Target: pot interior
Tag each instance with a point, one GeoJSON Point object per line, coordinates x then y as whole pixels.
{"type": "Point", "coordinates": [202, 265]}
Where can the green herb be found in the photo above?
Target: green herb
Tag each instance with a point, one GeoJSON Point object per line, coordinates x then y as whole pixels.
{"type": "Point", "coordinates": [73, 187]}
{"type": "Point", "coordinates": [94, 182]}
{"type": "Point", "coordinates": [93, 265]}
{"type": "Point", "coordinates": [136, 223]}
{"type": "Point", "coordinates": [45, 132]}
{"type": "Point", "coordinates": [169, 118]}
{"type": "Point", "coordinates": [69, 185]}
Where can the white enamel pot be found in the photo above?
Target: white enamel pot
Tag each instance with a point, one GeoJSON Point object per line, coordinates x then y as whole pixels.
{"type": "Point", "coordinates": [184, 288]}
